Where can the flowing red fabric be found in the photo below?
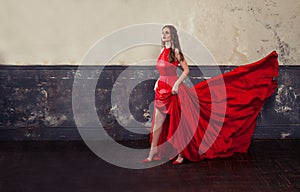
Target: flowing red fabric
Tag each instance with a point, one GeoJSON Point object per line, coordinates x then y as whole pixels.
{"type": "Point", "coordinates": [216, 117]}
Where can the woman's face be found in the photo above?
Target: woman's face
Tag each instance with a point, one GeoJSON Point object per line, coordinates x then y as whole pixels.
{"type": "Point", "coordinates": [166, 35]}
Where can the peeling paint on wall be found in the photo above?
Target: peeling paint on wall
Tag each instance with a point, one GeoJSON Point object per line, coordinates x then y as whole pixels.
{"type": "Point", "coordinates": [286, 103]}
{"type": "Point", "coordinates": [287, 98]}
{"type": "Point", "coordinates": [39, 98]}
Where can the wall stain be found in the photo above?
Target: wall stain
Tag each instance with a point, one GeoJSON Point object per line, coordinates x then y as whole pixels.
{"type": "Point", "coordinates": [237, 54]}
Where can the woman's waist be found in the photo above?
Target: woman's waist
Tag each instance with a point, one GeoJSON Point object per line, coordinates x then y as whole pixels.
{"type": "Point", "coordinates": [168, 77]}
{"type": "Point", "coordinates": [167, 81]}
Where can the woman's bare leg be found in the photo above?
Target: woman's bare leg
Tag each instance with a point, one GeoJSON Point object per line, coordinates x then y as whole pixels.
{"type": "Point", "coordinates": [159, 120]}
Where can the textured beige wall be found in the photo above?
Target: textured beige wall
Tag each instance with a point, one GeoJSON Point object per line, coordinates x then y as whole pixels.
{"type": "Point", "coordinates": [56, 32]}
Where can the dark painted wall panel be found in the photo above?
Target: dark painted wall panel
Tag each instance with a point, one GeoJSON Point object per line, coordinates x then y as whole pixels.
{"type": "Point", "coordinates": [36, 102]}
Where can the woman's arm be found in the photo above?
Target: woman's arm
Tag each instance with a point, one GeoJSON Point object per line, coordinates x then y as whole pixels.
{"type": "Point", "coordinates": [183, 75]}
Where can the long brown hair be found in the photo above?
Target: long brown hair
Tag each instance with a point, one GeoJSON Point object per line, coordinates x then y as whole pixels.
{"type": "Point", "coordinates": [174, 44]}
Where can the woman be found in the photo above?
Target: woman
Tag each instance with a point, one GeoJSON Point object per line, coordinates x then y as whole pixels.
{"type": "Point", "coordinates": [215, 118]}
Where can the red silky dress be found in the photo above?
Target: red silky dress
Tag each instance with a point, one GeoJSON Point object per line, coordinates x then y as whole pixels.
{"type": "Point", "coordinates": [216, 117]}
